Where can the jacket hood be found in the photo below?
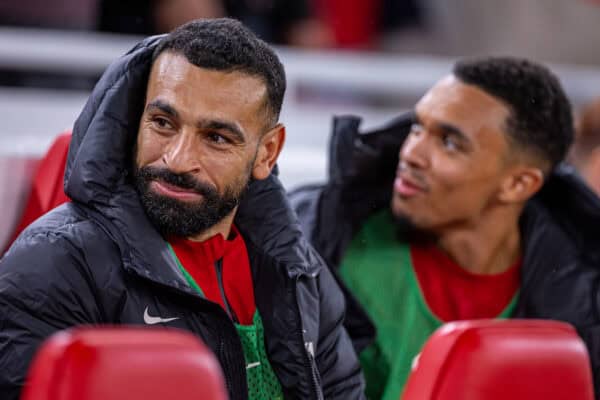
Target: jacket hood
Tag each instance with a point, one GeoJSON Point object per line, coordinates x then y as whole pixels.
{"type": "Point", "coordinates": [97, 177]}
{"type": "Point", "coordinates": [573, 207]}
{"type": "Point", "coordinates": [105, 131]}
{"type": "Point", "coordinates": [368, 160]}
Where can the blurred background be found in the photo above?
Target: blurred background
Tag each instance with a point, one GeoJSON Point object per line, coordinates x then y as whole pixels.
{"type": "Point", "coordinates": [373, 58]}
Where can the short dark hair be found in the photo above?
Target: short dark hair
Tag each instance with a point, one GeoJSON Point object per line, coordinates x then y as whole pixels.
{"type": "Point", "coordinates": [541, 119]}
{"type": "Point", "coordinates": [225, 44]}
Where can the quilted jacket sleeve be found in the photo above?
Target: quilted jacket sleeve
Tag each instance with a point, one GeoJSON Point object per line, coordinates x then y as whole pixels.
{"type": "Point", "coordinates": [43, 289]}
{"type": "Point", "coordinates": [341, 375]}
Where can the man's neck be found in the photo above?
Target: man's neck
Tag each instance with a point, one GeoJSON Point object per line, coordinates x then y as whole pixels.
{"type": "Point", "coordinates": [223, 227]}
{"type": "Point", "coordinates": [490, 246]}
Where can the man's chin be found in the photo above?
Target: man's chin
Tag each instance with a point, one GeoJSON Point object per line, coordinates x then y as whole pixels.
{"type": "Point", "coordinates": [181, 222]}
{"type": "Point", "coordinates": [400, 208]}
{"type": "Point", "coordinates": [409, 228]}
{"type": "Point", "coordinates": [173, 217]}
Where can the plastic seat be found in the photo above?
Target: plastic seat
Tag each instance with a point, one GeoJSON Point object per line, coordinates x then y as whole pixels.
{"type": "Point", "coordinates": [47, 190]}
{"type": "Point", "coordinates": [502, 359]}
{"type": "Point", "coordinates": [124, 364]}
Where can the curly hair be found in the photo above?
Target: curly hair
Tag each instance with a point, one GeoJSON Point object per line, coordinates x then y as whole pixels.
{"type": "Point", "coordinates": [225, 44]}
{"type": "Point", "coordinates": [541, 119]}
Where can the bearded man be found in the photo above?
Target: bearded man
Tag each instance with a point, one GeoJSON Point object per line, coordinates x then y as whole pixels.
{"type": "Point", "coordinates": [177, 220]}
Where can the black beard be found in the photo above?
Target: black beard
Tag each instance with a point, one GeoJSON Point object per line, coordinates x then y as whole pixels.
{"type": "Point", "coordinates": [184, 219]}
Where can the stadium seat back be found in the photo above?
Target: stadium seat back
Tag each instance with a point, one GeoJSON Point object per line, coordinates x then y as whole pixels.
{"type": "Point", "coordinates": [124, 364]}
{"type": "Point", "coordinates": [47, 189]}
{"type": "Point", "coordinates": [502, 359]}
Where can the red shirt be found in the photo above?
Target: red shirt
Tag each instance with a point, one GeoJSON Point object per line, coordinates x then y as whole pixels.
{"type": "Point", "coordinates": [199, 258]}
{"type": "Point", "coordinates": [453, 293]}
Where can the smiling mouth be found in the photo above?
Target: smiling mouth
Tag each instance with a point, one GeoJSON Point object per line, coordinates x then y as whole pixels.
{"type": "Point", "coordinates": [176, 192]}
{"type": "Point", "coordinates": [406, 187]}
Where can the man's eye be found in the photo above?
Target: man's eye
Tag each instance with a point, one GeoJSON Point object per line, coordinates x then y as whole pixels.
{"type": "Point", "coordinates": [415, 129]}
{"type": "Point", "coordinates": [450, 142]}
{"type": "Point", "coordinates": [162, 123]}
{"type": "Point", "coordinates": [217, 138]}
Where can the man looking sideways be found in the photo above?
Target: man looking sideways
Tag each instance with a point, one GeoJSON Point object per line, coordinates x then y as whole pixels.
{"type": "Point", "coordinates": [461, 211]}
{"type": "Point", "coordinates": [176, 220]}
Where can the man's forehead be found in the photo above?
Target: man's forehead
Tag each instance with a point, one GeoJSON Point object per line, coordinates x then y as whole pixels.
{"type": "Point", "coordinates": [174, 77]}
{"type": "Point", "coordinates": [172, 68]}
{"type": "Point", "coordinates": [197, 94]}
{"type": "Point", "coordinates": [450, 98]}
{"type": "Point", "coordinates": [166, 62]}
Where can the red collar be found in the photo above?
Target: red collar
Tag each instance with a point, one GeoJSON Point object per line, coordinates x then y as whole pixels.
{"type": "Point", "coordinates": [210, 250]}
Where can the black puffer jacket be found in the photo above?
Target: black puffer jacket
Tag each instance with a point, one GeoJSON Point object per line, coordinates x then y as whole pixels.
{"type": "Point", "coordinates": [99, 260]}
{"type": "Point", "coordinates": [560, 228]}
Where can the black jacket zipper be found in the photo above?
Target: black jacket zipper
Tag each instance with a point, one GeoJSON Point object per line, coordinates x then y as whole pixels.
{"type": "Point", "coordinates": [308, 359]}
{"type": "Point", "coordinates": [228, 309]}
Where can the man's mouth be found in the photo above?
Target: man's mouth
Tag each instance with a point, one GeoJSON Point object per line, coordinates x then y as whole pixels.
{"type": "Point", "coordinates": [173, 191]}
{"type": "Point", "coordinates": [406, 186]}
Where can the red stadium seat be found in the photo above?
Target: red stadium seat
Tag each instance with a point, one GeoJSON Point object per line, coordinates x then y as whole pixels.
{"type": "Point", "coordinates": [124, 364]}
{"type": "Point", "coordinates": [47, 190]}
{"type": "Point", "coordinates": [502, 359]}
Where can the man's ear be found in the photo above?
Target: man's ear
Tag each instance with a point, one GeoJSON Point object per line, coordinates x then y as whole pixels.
{"type": "Point", "coordinates": [521, 184]}
{"type": "Point", "coordinates": [269, 147]}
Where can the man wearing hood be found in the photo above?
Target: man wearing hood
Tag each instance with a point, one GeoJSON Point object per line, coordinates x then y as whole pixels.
{"type": "Point", "coordinates": [460, 211]}
{"type": "Point", "coordinates": [176, 220]}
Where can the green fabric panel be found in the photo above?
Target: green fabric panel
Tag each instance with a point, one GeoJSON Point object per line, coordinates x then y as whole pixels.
{"type": "Point", "coordinates": [186, 274]}
{"type": "Point", "coordinates": [262, 381]}
{"type": "Point", "coordinates": [377, 268]}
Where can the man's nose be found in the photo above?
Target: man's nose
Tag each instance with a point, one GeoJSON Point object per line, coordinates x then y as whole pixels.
{"type": "Point", "coordinates": [182, 153]}
{"type": "Point", "coordinates": [414, 152]}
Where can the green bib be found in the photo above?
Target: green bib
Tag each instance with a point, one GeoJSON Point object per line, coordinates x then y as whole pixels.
{"type": "Point", "coordinates": [262, 382]}
{"type": "Point", "coordinates": [378, 269]}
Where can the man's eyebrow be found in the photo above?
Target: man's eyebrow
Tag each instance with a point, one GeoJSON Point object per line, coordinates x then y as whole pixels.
{"type": "Point", "coordinates": [449, 128]}
{"type": "Point", "coordinates": [444, 127]}
{"type": "Point", "coordinates": [221, 125]}
{"type": "Point", "coordinates": [162, 106]}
